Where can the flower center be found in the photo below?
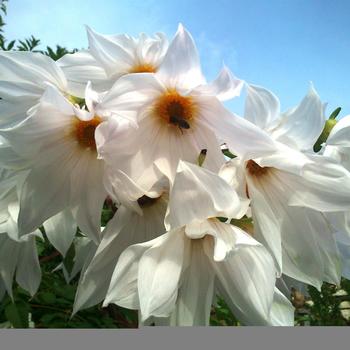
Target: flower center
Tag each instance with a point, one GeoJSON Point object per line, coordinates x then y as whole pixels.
{"type": "Point", "coordinates": [145, 201]}
{"type": "Point", "coordinates": [175, 109]}
{"type": "Point", "coordinates": [255, 169]}
{"type": "Point", "coordinates": [84, 132]}
{"type": "Point", "coordinates": [143, 68]}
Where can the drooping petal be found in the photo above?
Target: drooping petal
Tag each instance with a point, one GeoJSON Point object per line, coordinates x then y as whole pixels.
{"type": "Point", "coordinates": [304, 249]}
{"type": "Point", "coordinates": [60, 230]}
{"type": "Point", "coordinates": [246, 280]}
{"type": "Point", "coordinates": [198, 194]}
{"type": "Point", "coordinates": [28, 272]}
{"type": "Point", "coordinates": [94, 282]}
{"type": "Point", "coordinates": [90, 201]}
{"type": "Point", "coordinates": [85, 249]}
{"type": "Point", "coordinates": [195, 295]}
{"type": "Point", "coordinates": [159, 274]}
{"type": "Point", "coordinates": [328, 247]}
{"type": "Point", "coordinates": [9, 252]}
{"type": "Point", "coordinates": [267, 229]}
{"type": "Point", "coordinates": [124, 229]}
{"type": "Point", "coordinates": [42, 197]}
{"type": "Point", "coordinates": [123, 289]}
{"type": "Point", "coordinates": [282, 311]}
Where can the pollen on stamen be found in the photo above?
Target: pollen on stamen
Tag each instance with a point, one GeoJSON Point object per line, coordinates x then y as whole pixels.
{"type": "Point", "coordinates": [255, 169]}
{"type": "Point", "coordinates": [175, 109]}
{"type": "Point", "coordinates": [84, 132]}
{"type": "Point", "coordinates": [143, 68]}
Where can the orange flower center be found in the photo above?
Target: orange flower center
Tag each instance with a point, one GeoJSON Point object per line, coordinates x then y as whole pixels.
{"type": "Point", "coordinates": [84, 132]}
{"type": "Point", "coordinates": [143, 68]}
{"type": "Point", "coordinates": [255, 169]}
{"type": "Point", "coordinates": [175, 109]}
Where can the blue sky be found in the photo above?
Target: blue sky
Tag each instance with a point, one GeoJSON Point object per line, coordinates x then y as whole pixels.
{"type": "Point", "coordinates": [282, 45]}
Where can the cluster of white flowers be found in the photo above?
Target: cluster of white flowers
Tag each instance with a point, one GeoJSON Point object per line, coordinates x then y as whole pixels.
{"type": "Point", "coordinates": [133, 121]}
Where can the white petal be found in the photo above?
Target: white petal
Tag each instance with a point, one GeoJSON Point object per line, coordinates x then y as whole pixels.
{"type": "Point", "coordinates": [198, 194]}
{"type": "Point", "coordinates": [9, 252]}
{"type": "Point", "coordinates": [30, 67]}
{"type": "Point", "coordinates": [28, 273]}
{"type": "Point", "coordinates": [282, 311]}
{"type": "Point", "coordinates": [129, 94]}
{"type": "Point", "coordinates": [340, 134]}
{"type": "Point", "coordinates": [42, 197]}
{"type": "Point", "coordinates": [324, 186]}
{"type": "Point", "coordinates": [85, 249]}
{"type": "Point", "coordinates": [181, 65]}
{"type": "Point", "coordinates": [262, 107]}
{"type": "Point", "coordinates": [233, 130]}
{"type": "Point", "coordinates": [124, 229]}
{"type": "Point", "coordinates": [93, 284]}
{"type": "Point", "coordinates": [285, 158]}
{"type": "Point", "coordinates": [195, 295]}
{"type": "Point", "coordinates": [224, 87]}
{"type": "Point", "coordinates": [90, 202]}
{"type": "Point", "coordinates": [301, 126]}
{"type": "Point", "coordinates": [114, 53]}
{"type": "Point", "coordinates": [247, 282]}
{"type": "Point", "coordinates": [81, 67]}
{"type": "Point", "coordinates": [123, 289]}
{"type": "Point", "coordinates": [60, 230]}
{"type": "Point", "coordinates": [267, 227]}
{"type": "Point", "coordinates": [159, 274]}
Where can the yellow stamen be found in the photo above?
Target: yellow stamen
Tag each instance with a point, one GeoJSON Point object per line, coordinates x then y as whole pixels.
{"type": "Point", "coordinates": [175, 109]}
{"type": "Point", "coordinates": [84, 132]}
{"type": "Point", "coordinates": [143, 68]}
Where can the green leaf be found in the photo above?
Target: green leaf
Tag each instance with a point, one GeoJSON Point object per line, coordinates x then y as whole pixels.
{"type": "Point", "coordinates": [48, 298]}
{"type": "Point", "coordinates": [17, 314]}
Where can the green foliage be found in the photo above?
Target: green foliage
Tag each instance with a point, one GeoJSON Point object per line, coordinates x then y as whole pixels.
{"type": "Point", "coordinates": [328, 307]}
{"type": "Point", "coordinates": [221, 315]}
{"type": "Point", "coordinates": [58, 52]}
{"type": "Point", "coordinates": [52, 305]}
{"type": "Point", "coordinates": [27, 44]}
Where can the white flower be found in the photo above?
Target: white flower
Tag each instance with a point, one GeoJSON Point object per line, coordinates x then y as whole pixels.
{"type": "Point", "coordinates": [176, 273]}
{"type": "Point", "coordinates": [179, 115]}
{"type": "Point", "coordinates": [290, 188]}
{"type": "Point", "coordinates": [111, 56]}
{"type": "Point", "coordinates": [57, 141]}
